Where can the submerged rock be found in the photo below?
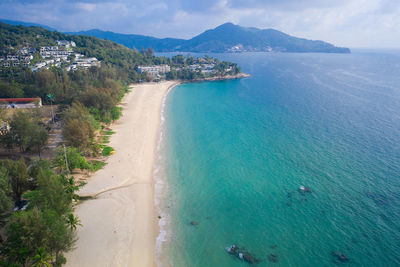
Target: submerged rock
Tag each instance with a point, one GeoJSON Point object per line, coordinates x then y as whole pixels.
{"type": "Point", "coordinates": [242, 254]}
{"type": "Point", "coordinates": [273, 257]}
{"type": "Point", "coordinates": [340, 256]}
{"type": "Point", "coordinates": [303, 189]}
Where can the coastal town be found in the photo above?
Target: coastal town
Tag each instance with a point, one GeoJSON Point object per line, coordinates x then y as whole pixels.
{"type": "Point", "coordinates": [61, 55]}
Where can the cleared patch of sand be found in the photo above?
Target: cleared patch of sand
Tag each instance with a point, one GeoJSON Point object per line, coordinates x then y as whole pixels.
{"type": "Point", "coordinates": [120, 224]}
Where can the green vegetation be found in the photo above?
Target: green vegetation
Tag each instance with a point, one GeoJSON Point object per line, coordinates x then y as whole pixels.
{"type": "Point", "coordinates": [69, 159]}
{"type": "Point", "coordinates": [27, 132]}
{"type": "Point", "coordinates": [40, 234]}
{"type": "Point", "coordinates": [108, 132]}
{"type": "Point", "coordinates": [95, 165]}
{"type": "Point", "coordinates": [107, 150]}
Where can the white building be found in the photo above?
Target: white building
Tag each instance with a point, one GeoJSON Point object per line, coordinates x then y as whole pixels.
{"type": "Point", "coordinates": [85, 63]}
{"type": "Point", "coordinates": [154, 70]}
{"type": "Point", "coordinates": [53, 51]}
{"type": "Point", "coordinates": [65, 43]}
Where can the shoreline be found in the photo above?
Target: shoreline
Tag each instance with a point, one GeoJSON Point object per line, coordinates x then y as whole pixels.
{"type": "Point", "coordinates": [120, 225]}
{"type": "Point", "coordinates": [219, 78]}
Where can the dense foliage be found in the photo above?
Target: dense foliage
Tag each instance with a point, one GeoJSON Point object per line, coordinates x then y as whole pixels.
{"type": "Point", "coordinates": [46, 229]}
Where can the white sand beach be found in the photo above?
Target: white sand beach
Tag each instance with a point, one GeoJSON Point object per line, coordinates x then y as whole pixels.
{"type": "Point", "coordinates": [120, 224]}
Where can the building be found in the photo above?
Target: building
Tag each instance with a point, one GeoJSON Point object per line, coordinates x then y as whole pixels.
{"type": "Point", "coordinates": [65, 43]}
{"type": "Point", "coordinates": [20, 102]}
{"type": "Point", "coordinates": [53, 51]}
{"type": "Point", "coordinates": [85, 63]}
{"type": "Point", "coordinates": [154, 70]}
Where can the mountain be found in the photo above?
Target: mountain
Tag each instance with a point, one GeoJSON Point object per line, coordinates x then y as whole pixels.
{"type": "Point", "coordinates": [233, 38]}
{"type": "Point", "coordinates": [227, 37]}
{"type": "Point", "coordinates": [134, 40]}
{"type": "Point", "coordinates": [27, 24]}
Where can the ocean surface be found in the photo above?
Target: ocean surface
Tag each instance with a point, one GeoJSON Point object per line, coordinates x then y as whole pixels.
{"type": "Point", "coordinates": [233, 155]}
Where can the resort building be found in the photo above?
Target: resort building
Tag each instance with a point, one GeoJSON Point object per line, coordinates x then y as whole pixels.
{"type": "Point", "coordinates": [53, 51]}
{"type": "Point", "coordinates": [65, 43]}
{"type": "Point", "coordinates": [85, 63]}
{"type": "Point", "coordinates": [154, 70]}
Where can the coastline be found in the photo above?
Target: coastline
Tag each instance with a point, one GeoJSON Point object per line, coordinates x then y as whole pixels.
{"type": "Point", "coordinates": [220, 78]}
{"type": "Point", "coordinates": [120, 225]}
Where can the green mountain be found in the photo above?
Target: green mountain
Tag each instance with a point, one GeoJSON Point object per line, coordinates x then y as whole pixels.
{"type": "Point", "coordinates": [26, 24]}
{"type": "Point", "coordinates": [224, 38]}
{"type": "Point", "coordinates": [134, 40]}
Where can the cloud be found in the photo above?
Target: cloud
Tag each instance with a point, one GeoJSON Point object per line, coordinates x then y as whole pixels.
{"type": "Point", "coordinates": [354, 23]}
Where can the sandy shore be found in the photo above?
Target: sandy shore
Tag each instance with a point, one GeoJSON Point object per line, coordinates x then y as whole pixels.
{"type": "Point", "coordinates": [120, 224]}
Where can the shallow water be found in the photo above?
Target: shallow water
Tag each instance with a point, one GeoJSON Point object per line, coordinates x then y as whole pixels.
{"type": "Point", "coordinates": [235, 153]}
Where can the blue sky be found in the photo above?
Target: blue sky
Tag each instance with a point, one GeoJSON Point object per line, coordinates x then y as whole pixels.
{"type": "Point", "coordinates": [353, 23]}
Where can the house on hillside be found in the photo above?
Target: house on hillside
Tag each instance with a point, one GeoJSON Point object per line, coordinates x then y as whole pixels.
{"type": "Point", "coordinates": [65, 43]}
{"type": "Point", "coordinates": [20, 102]}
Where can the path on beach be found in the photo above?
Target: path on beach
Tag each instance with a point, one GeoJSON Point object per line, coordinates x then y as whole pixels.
{"type": "Point", "coordinates": [119, 225]}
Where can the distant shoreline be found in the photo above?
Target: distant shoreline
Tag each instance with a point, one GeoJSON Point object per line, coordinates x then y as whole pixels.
{"type": "Point", "coordinates": [219, 78]}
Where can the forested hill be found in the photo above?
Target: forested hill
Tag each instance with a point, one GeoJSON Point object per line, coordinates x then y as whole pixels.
{"type": "Point", "coordinates": [224, 38]}
{"type": "Point", "coordinates": [118, 64]}
{"type": "Point", "coordinates": [135, 40]}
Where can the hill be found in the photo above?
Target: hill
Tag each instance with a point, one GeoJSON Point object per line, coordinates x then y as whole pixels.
{"type": "Point", "coordinates": [27, 24]}
{"type": "Point", "coordinates": [227, 37]}
{"type": "Point", "coordinates": [134, 40]}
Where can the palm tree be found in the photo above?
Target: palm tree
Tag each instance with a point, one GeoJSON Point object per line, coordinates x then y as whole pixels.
{"type": "Point", "coordinates": [73, 221]}
{"type": "Point", "coordinates": [41, 258]}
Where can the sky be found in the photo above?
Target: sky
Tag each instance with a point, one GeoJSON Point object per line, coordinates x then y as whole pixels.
{"type": "Point", "coordinates": [350, 23]}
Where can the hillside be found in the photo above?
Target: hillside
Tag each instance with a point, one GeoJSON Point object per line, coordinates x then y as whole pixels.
{"type": "Point", "coordinates": [224, 38]}
{"type": "Point", "coordinates": [27, 24]}
{"type": "Point", "coordinates": [134, 40]}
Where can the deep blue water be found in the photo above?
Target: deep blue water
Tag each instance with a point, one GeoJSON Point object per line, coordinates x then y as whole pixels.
{"type": "Point", "coordinates": [236, 152]}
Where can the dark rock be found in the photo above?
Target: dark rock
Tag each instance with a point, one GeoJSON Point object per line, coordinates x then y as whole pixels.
{"type": "Point", "coordinates": [273, 257]}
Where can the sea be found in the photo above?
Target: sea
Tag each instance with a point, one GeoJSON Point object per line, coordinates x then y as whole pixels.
{"type": "Point", "coordinates": [233, 155]}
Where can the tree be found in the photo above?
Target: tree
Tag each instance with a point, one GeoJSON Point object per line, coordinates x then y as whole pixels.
{"type": "Point", "coordinates": [73, 221]}
{"type": "Point", "coordinates": [78, 130]}
{"type": "Point", "coordinates": [25, 232]}
{"type": "Point", "coordinates": [20, 129]}
{"type": "Point", "coordinates": [41, 258]}
{"type": "Point", "coordinates": [5, 200]}
{"type": "Point", "coordinates": [38, 137]}
{"type": "Point", "coordinates": [74, 159]}
{"type": "Point", "coordinates": [18, 175]}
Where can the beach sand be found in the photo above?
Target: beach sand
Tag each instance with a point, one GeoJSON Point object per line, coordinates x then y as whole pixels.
{"type": "Point", "coordinates": [119, 227]}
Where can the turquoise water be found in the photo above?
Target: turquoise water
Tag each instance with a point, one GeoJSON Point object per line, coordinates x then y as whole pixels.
{"type": "Point", "coordinates": [236, 152]}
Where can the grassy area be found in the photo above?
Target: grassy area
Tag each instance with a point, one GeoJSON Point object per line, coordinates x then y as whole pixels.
{"type": "Point", "coordinates": [96, 165]}
{"type": "Point", "coordinates": [105, 139]}
{"type": "Point", "coordinates": [108, 132]}
{"type": "Point", "coordinates": [107, 150]}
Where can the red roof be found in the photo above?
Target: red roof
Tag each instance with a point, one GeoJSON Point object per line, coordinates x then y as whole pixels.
{"type": "Point", "coordinates": [20, 99]}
